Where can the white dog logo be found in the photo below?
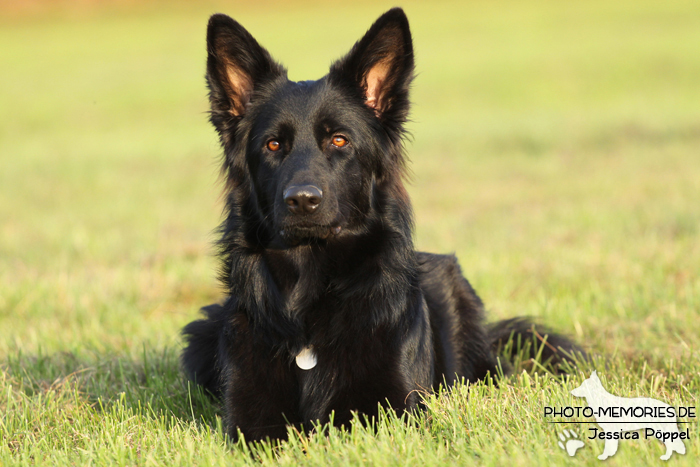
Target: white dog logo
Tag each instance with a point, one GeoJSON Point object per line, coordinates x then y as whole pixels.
{"type": "Point", "coordinates": [608, 409]}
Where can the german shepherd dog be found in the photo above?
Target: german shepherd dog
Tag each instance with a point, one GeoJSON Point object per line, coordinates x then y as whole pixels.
{"type": "Point", "coordinates": [329, 308]}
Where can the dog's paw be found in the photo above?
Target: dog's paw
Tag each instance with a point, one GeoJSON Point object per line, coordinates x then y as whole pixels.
{"type": "Point", "coordinates": [569, 442]}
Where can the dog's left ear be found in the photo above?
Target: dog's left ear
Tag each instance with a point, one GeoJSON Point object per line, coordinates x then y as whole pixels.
{"type": "Point", "coordinates": [380, 65]}
{"type": "Point", "coordinates": [236, 66]}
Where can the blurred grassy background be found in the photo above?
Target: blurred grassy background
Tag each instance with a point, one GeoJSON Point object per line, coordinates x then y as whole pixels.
{"type": "Point", "coordinates": [556, 150]}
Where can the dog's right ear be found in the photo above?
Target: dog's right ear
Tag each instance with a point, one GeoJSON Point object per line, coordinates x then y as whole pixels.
{"type": "Point", "coordinates": [381, 66]}
{"type": "Point", "coordinates": [236, 65]}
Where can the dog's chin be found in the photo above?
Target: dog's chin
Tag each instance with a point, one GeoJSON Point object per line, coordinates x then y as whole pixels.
{"type": "Point", "coordinates": [298, 236]}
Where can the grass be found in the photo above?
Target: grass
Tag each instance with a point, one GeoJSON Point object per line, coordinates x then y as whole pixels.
{"type": "Point", "coordinates": [555, 151]}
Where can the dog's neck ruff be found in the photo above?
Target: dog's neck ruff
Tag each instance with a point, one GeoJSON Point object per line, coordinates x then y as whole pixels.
{"type": "Point", "coordinates": [306, 359]}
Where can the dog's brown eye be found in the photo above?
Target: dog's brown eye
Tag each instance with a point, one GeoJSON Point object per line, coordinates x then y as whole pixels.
{"type": "Point", "coordinates": [339, 141]}
{"type": "Point", "coordinates": [273, 145]}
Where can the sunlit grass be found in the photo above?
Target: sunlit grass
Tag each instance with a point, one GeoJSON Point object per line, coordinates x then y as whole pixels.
{"type": "Point", "coordinates": [555, 151]}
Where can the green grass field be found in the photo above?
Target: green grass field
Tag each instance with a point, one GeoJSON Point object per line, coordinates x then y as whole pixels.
{"type": "Point", "coordinates": [556, 151]}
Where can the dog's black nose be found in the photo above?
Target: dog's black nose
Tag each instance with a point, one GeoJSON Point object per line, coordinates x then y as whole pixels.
{"type": "Point", "coordinates": [303, 199]}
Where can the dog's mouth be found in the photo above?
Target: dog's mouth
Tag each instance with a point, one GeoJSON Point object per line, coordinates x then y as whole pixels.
{"type": "Point", "coordinates": [293, 236]}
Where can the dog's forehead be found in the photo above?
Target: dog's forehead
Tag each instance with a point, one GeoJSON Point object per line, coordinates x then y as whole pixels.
{"type": "Point", "coordinates": [299, 102]}
{"type": "Point", "coordinates": [306, 83]}
{"type": "Point", "coordinates": [298, 95]}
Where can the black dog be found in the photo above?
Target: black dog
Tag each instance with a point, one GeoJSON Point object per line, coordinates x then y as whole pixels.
{"type": "Point", "coordinates": [317, 247]}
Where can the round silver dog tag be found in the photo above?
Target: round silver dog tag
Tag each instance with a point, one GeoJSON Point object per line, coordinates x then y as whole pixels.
{"type": "Point", "coordinates": [306, 359]}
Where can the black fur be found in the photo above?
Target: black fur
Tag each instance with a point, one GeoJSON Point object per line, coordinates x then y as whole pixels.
{"type": "Point", "coordinates": [385, 321]}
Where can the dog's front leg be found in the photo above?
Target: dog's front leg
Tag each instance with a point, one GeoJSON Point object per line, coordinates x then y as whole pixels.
{"type": "Point", "coordinates": [260, 409]}
{"type": "Point", "coordinates": [260, 386]}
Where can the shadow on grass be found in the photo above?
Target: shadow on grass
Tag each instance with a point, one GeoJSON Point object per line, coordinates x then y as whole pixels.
{"type": "Point", "coordinates": [152, 383]}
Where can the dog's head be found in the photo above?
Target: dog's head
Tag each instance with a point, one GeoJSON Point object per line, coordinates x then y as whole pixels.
{"type": "Point", "coordinates": [307, 157]}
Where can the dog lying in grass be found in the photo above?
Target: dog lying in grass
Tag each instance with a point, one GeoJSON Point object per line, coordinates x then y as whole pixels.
{"type": "Point", "coordinates": [330, 309]}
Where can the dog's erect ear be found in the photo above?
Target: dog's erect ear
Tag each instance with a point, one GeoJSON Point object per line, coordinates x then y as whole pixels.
{"type": "Point", "coordinates": [381, 65]}
{"type": "Point", "coordinates": [236, 64]}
